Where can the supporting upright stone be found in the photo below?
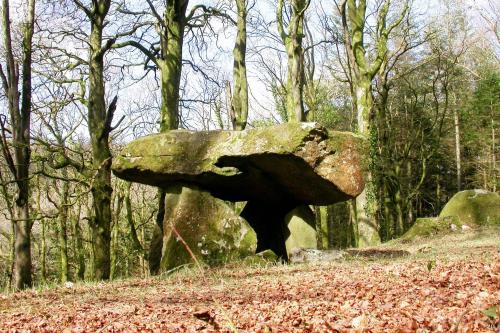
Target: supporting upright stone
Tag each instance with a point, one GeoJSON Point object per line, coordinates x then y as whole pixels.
{"type": "Point", "coordinates": [267, 219]}
{"type": "Point", "coordinates": [300, 229]}
{"type": "Point", "coordinates": [208, 226]}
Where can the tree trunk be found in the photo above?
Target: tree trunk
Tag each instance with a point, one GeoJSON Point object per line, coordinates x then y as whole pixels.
{"type": "Point", "coordinates": [19, 107]}
{"type": "Point", "coordinates": [295, 83]}
{"type": "Point", "coordinates": [78, 247]}
{"type": "Point", "coordinates": [99, 119]}
{"type": "Point", "coordinates": [456, 123]}
{"type": "Point", "coordinates": [43, 256]}
{"type": "Point", "coordinates": [170, 64]}
{"type": "Point", "coordinates": [171, 42]}
{"type": "Point", "coordinates": [239, 100]}
{"type": "Point", "coordinates": [321, 214]}
{"type": "Point", "coordinates": [292, 39]}
{"type": "Point", "coordinates": [114, 234]}
{"type": "Point", "coordinates": [62, 231]}
{"type": "Point", "coordinates": [361, 72]}
{"type": "Point", "coordinates": [22, 228]}
{"type": "Point", "coordinates": [156, 246]}
{"type": "Point", "coordinates": [366, 203]}
{"type": "Point", "coordinates": [494, 170]}
{"type": "Point", "coordinates": [342, 230]}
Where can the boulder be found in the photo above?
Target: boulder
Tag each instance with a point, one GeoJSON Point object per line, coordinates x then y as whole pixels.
{"type": "Point", "coordinates": [207, 225]}
{"type": "Point", "coordinates": [296, 163]}
{"type": "Point", "coordinates": [430, 226]}
{"type": "Point", "coordinates": [474, 208]}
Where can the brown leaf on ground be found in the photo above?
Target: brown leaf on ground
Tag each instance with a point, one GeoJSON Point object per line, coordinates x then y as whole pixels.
{"type": "Point", "coordinates": [385, 295]}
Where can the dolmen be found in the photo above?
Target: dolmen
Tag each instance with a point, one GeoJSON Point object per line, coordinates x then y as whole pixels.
{"type": "Point", "coordinates": [233, 193]}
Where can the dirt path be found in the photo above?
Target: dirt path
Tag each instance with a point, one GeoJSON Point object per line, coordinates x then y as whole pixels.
{"type": "Point", "coordinates": [429, 291]}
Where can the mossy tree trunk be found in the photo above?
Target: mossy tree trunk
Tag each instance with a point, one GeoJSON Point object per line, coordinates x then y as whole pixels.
{"type": "Point", "coordinates": [170, 65]}
{"type": "Point", "coordinates": [19, 108]}
{"type": "Point", "coordinates": [62, 229]}
{"type": "Point", "coordinates": [100, 117]}
{"type": "Point", "coordinates": [239, 97]}
{"type": "Point", "coordinates": [43, 239]}
{"type": "Point", "coordinates": [322, 227]}
{"type": "Point", "coordinates": [78, 247]}
{"type": "Point", "coordinates": [292, 39]}
{"type": "Point", "coordinates": [119, 197]}
{"type": "Point", "coordinates": [362, 72]}
{"type": "Point", "coordinates": [170, 61]}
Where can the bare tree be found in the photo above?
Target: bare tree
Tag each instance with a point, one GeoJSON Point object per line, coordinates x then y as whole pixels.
{"type": "Point", "coordinates": [361, 71]}
{"type": "Point", "coordinates": [17, 152]}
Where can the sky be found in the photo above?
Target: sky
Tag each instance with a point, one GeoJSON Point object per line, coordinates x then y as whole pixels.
{"type": "Point", "coordinates": [261, 101]}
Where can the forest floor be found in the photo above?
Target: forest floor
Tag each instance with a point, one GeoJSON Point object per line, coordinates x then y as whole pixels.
{"type": "Point", "coordinates": [445, 284]}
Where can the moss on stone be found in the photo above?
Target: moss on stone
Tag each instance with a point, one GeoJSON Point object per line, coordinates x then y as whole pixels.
{"type": "Point", "coordinates": [303, 160]}
{"type": "Point", "coordinates": [210, 228]}
{"type": "Point", "coordinates": [430, 226]}
{"type": "Point", "coordinates": [264, 258]}
{"type": "Point", "coordinates": [474, 208]}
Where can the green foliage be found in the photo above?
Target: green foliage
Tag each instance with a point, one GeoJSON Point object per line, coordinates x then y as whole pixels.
{"type": "Point", "coordinates": [325, 111]}
{"type": "Point", "coordinates": [491, 312]}
{"type": "Point", "coordinates": [481, 121]}
{"type": "Point", "coordinates": [279, 95]}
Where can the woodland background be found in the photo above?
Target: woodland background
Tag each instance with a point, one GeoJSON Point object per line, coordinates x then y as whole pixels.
{"type": "Point", "coordinates": [80, 79]}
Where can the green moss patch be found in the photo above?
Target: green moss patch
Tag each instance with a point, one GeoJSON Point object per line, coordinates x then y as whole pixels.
{"type": "Point", "coordinates": [474, 208]}
{"type": "Point", "coordinates": [208, 228]}
{"type": "Point", "coordinates": [430, 226]}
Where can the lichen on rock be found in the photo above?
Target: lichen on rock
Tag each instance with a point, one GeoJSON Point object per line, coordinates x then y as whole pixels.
{"type": "Point", "coordinates": [303, 163]}
{"type": "Point", "coordinates": [474, 207]}
{"type": "Point", "coordinates": [208, 226]}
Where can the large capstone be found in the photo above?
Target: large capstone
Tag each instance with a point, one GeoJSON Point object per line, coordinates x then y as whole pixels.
{"type": "Point", "coordinates": [274, 169]}
{"type": "Point", "coordinates": [197, 224]}
{"type": "Point", "coordinates": [299, 163]}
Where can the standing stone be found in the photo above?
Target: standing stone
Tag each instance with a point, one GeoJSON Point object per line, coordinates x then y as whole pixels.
{"type": "Point", "coordinates": [267, 219]}
{"type": "Point", "coordinates": [210, 228]}
{"type": "Point", "coordinates": [300, 229]}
